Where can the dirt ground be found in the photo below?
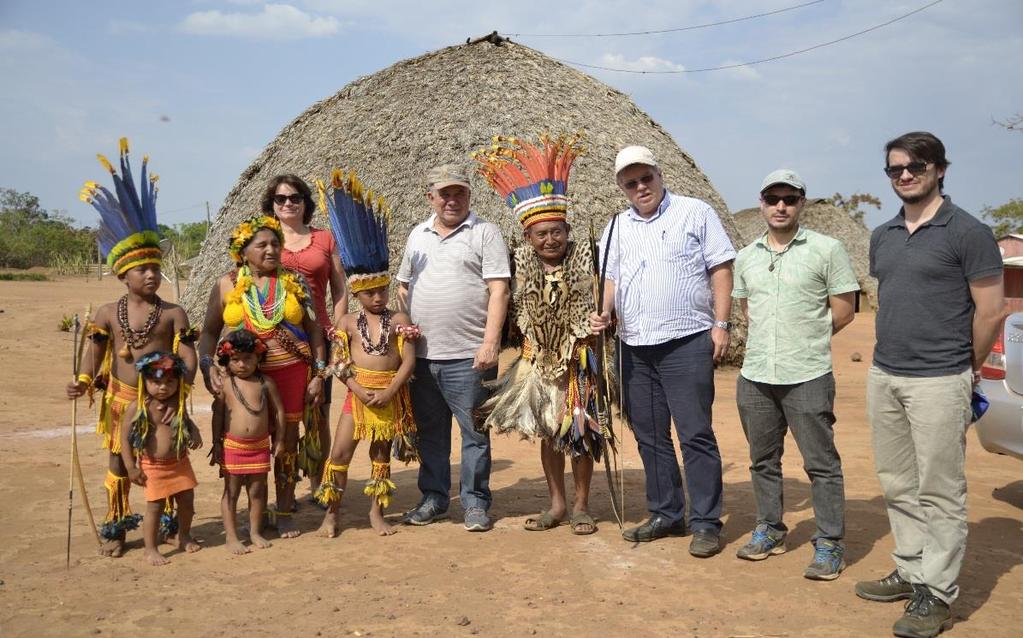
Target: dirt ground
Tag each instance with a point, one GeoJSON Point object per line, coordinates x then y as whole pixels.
{"type": "Point", "coordinates": [440, 579]}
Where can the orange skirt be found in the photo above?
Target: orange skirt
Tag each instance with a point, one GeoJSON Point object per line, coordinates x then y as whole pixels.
{"type": "Point", "coordinates": [167, 477]}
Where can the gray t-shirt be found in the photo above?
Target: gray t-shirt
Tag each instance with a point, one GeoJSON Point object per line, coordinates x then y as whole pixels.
{"type": "Point", "coordinates": [925, 310]}
{"type": "Point", "coordinates": [447, 282]}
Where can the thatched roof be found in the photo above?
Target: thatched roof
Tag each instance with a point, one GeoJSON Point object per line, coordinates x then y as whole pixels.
{"type": "Point", "coordinates": [825, 218]}
{"type": "Point", "coordinates": [392, 126]}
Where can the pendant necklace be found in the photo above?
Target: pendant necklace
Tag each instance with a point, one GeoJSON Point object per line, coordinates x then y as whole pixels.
{"type": "Point", "coordinates": [136, 338]}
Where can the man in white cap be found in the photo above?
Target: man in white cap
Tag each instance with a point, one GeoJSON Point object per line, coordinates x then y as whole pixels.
{"type": "Point", "coordinates": [796, 288]}
{"type": "Point", "coordinates": [669, 284]}
{"type": "Point", "coordinates": [454, 282]}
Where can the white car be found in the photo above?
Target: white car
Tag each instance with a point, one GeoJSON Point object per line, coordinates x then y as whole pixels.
{"type": "Point", "coordinates": [1000, 430]}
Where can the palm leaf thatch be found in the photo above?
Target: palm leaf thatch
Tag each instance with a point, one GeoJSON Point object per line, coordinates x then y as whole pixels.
{"type": "Point", "coordinates": [392, 126]}
{"type": "Point", "coordinates": [825, 218]}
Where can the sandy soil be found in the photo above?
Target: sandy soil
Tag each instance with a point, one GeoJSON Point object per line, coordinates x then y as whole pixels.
{"type": "Point", "coordinates": [441, 580]}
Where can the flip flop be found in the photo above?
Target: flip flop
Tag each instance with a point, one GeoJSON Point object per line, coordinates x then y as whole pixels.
{"type": "Point", "coordinates": [542, 523]}
{"type": "Point", "coordinates": [582, 524]}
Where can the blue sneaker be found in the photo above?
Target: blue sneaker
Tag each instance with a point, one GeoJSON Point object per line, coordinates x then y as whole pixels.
{"type": "Point", "coordinates": [425, 513]}
{"type": "Point", "coordinates": [827, 561]}
{"type": "Point", "coordinates": [476, 520]}
{"type": "Point", "coordinates": [764, 543]}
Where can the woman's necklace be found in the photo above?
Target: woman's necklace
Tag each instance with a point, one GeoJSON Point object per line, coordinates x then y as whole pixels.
{"type": "Point", "coordinates": [136, 338]}
{"type": "Point", "coordinates": [245, 404]}
{"type": "Point", "coordinates": [383, 345]}
{"type": "Point", "coordinates": [265, 314]}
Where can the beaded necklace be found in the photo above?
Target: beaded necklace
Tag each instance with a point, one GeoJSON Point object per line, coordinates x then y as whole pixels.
{"type": "Point", "coordinates": [136, 338]}
{"type": "Point", "coordinates": [264, 315]}
{"type": "Point", "coordinates": [383, 345]}
{"type": "Point", "coordinates": [245, 404]}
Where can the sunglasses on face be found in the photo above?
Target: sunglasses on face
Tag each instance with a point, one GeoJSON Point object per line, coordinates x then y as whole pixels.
{"type": "Point", "coordinates": [294, 198]}
{"type": "Point", "coordinates": [632, 184]}
{"type": "Point", "coordinates": [790, 200]}
{"type": "Point", "coordinates": [915, 169]}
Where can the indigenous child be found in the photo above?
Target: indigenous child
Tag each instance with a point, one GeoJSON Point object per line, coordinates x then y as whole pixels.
{"type": "Point", "coordinates": [376, 366]}
{"type": "Point", "coordinates": [159, 437]}
{"type": "Point", "coordinates": [137, 324]}
{"type": "Point", "coordinates": [243, 420]}
{"type": "Point", "coordinates": [550, 391]}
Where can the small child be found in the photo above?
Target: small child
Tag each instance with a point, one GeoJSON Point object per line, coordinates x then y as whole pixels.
{"type": "Point", "coordinates": [243, 419]}
{"type": "Point", "coordinates": [159, 437]}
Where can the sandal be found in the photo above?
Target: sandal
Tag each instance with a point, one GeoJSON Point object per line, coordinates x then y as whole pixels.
{"type": "Point", "coordinates": [542, 523]}
{"type": "Point", "coordinates": [582, 524]}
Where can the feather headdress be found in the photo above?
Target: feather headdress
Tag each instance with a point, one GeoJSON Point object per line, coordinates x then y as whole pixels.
{"type": "Point", "coordinates": [532, 179]}
{"type": "Point", "coordinates": [358, 221]}
{"type": "Point", "coordinates": [127, 230]}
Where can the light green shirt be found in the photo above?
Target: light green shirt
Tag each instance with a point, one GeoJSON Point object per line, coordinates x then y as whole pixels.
{"type": "Point", "coordinates": [789, 338]}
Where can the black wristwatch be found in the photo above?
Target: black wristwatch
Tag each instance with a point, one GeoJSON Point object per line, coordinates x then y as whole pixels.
{"type": "Point", "coordinates": [724, 325]}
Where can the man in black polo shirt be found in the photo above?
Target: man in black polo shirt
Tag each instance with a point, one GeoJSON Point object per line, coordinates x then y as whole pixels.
{"type": "Point", "coordinates": [940, 306]}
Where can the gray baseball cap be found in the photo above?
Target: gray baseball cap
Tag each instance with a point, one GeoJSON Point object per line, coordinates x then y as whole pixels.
{"type": "Point", "coordinates": [447, 175]}
{"type": "Point", "coordinates": [785, 176]}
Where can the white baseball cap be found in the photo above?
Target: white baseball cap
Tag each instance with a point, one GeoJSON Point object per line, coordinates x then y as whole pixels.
{"type": "Point", "coordinates": [783, 176]}
{"type": "Point", "coordinates": [634, 155]}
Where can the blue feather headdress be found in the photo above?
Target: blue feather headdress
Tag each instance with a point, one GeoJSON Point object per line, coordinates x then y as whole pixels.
{"type": "Point", "coordinates": [358, 221]}
{"type": "Point", "coordinates": [127, 233]}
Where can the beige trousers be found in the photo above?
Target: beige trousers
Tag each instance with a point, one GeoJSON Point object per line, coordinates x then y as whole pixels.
{"type": "Point", "coordinates": [919, 433]}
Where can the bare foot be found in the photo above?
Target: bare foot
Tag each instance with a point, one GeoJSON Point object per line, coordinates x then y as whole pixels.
{"type": "Point", "coordinates": [286, 527]}
{"type": "Point", "coordinates": [376, 519]}
{"type": "Point", "coordinates": [259, 541]}
{"type": "Point", "coordinates": [331, 524]}
{"type": "Point", "coordinates": [188, 544]}
{"type": "Point", "coordinates": [155, 558]}
{"type": "Point", "coordinates": [236, 547]}
{"type": "Point", "coordinates": [113, 548]}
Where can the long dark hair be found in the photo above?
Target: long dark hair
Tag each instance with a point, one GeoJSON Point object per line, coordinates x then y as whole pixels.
{"type": "Point", "coordinates": [296, 182]}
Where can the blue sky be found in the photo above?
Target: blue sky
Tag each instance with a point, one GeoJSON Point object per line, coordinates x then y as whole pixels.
{"type": "Point", "coordinates": [203, 86]}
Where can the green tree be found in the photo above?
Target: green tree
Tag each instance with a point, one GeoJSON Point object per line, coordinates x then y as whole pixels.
{"type": "Point", "coordinates": [31, 236]}
{"type": "Point", "coordinates": [1005, 219]}
{"type": "Point", "coordinates": [852, 204]}
{"type": "Point", "coordinates": [186, 237]}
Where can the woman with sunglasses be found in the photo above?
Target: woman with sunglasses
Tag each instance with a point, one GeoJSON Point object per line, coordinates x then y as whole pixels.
{"type": "Point", "coordinates": [311, 252]}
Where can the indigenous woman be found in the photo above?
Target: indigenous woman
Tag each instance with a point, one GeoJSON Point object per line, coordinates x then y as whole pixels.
{"type": "Point", "coordinates": [310, 252]}
{"type": "Point", "coordinates": [263, 297]}
{"type": "Point", "coordinates": [548, 393]}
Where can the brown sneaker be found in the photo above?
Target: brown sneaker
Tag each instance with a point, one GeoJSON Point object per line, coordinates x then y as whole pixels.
{"type": "Point", "coordinates": [889, 589]}
{"type": "Point", "coordinates": [925, 615]}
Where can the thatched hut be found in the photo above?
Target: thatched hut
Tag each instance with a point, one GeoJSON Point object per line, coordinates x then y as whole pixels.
{"type": "Point", "coordinates": [825, 218]}
{"type": "Point", "coordinates": [392, 126]}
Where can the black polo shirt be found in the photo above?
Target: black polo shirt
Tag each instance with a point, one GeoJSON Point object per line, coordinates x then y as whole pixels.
{"type": "Point", "coordinates": [925, 311]}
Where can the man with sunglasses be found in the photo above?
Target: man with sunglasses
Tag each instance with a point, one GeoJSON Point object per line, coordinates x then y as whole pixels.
{"type": "Point", "coordinates": [669, 282]}
{"type": "Point", "coordinates": [796, 288]}
{"type": "Point", "coordinates": [940, 307]}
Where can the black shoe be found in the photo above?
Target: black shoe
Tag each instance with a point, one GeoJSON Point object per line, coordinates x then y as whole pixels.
{"type": "Point", "coordinates": [705, 543]}
{"type": "Point", "coordinates": [655, 527]}
{"type": "Point", "coordinates": [889, 589]}
{"type": "Point", "coordinates": [925, 615]}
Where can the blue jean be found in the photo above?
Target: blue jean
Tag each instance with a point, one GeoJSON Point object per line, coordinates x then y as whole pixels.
{"type": "Point", "coordinates": [440, 389]}
{"type": "Point", "coordinates": [674, 381]}
{"type": "Point", "coordinates": [766, 412]}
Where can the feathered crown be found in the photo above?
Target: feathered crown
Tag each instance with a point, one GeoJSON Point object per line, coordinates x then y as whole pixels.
{"type": "Point", "coordinates": [246, 230]}
{"type": "Point", "coordinates": [156, 365]}
{"type": "Point", "coordinates": [358, 221]}
{"type": "Point", "coordinates": [127, 229]}
{"type": "Point", "coordinates": [532, 179]}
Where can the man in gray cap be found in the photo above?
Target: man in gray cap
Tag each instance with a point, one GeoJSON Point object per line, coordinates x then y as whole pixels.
{"type": "Point", "coordinates": [454, 282]}
{"type": "Point", "coordinates": [669, 282]}
{"type": "Point", "coordinates": [796, 288]}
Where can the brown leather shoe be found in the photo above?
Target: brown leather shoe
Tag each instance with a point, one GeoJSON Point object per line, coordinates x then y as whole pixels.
{"type": "Point", "coordinates": [705, 543]}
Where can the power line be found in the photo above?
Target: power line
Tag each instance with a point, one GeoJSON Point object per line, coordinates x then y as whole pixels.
{"type": "Point", "coordinates": [659, 31]}
{"type": "Point", "coordinates": [760, 61]}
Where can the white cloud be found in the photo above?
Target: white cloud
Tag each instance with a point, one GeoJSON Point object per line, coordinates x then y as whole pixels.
{"type": "Point", "coordinates": [744, 72]}
{"type": "Point", "coordinates": [642, 63]}
{"type": "Point", "coordinates": [276, 21]}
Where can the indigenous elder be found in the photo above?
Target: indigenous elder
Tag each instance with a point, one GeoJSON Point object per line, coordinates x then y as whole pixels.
{"type": "Point", "coordinates": [796, 288]}
{"type": "Point", "coordinates": [310, 252]}
{"type": "Point", "coordinates": [549, 392]}
{"type": "Point", "coordinates": [454, 283]}
{"type": "Point", "coordinates": [263, 297]}
{"type": "Point", "coordinates": [669, 281]}
{"type": "Point", "coordinates": [940, 307]}
{"type": "Point", "coordinates": [122, 332]}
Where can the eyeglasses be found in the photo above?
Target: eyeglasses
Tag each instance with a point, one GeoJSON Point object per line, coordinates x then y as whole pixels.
{"type": "Point", "coordinates": [790, 200]}
{"type": "Point", "coordinates": [915, 169]}
{"type": "Point", "coordinates": [294, 198]}
{"type": "Point", "coordinates": [632, 184]}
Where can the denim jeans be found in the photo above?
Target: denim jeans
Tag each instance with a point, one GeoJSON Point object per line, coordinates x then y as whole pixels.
{"type": "Point", "coordinates": [674, 381]}
{"type": "Point", "coordinates": [440, 389]}
{"type": "Point", "coordinates": [766, 412]}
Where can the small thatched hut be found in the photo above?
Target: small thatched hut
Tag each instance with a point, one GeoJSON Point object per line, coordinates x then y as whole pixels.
{"type": "Point", "coordinates": [825, 218]}
{"type": "Point", "coordinates": [392, 126]}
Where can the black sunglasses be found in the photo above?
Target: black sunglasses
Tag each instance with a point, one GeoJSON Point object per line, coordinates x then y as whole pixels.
{"type": "Point", "coordinates": [633, 183]}
{"type": "Point", "coordinates": [915, 169]}
{"type": "Point", "coordinates": [294, 198]}
{"type": "Point", "coordinates": [772, 200]}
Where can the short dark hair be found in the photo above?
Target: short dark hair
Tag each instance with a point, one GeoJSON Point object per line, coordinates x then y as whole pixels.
{"type": "Point", "coordinates": [240, 340]}
{"type": "Point", "coordinates": [921, 146]}
{"type": "Point", "coordinates": [296, 182]}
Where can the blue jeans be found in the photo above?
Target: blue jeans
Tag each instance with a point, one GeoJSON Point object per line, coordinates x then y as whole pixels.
{"type": "Point", "coordinates": [440, 389]}
{"type": "Point", "coordinates": [766, 412]}
{"type": "Point", "coordinates": [674, 381]}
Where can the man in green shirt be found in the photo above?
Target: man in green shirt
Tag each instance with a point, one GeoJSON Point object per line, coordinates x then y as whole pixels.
{"type": "Point", "coordinates": [796, 288]}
